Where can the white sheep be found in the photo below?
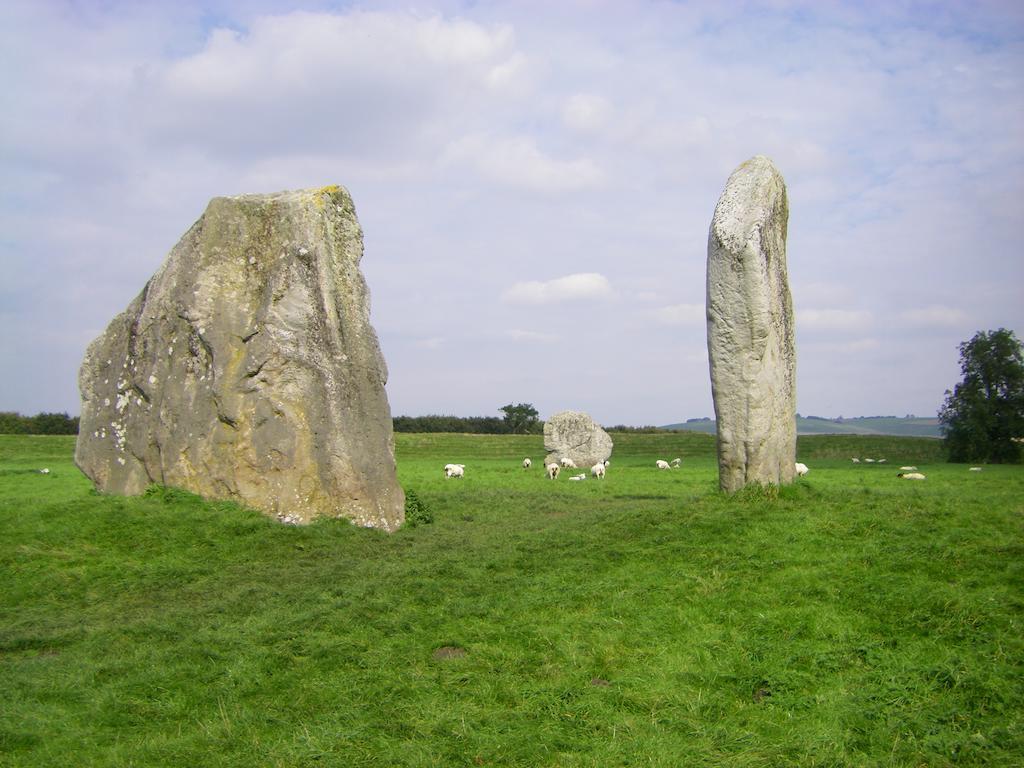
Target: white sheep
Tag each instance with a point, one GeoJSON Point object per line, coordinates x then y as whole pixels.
{"type": "Point", "coordinates": [662, 464]}
{"type": "Point", "coordinates": [553, 469]}
{"type": "Point", "coordinates": [578, 477]}
{"type": "Point", "coordinates": [455, 470]}
{"type": "Point", "coordinates": [527, 463]}
{"type": "Point", "coordinates": [974, 469]}
{"type": "Point", "coordinates": [801, 469]}
{"type": "Point", "coordinates": [911, 475]}
{"type": "Point", "coordinates": [598, 470]}
{"type": "Point", "coordinates": [855, 460]}
{"type": "Point", "coordinates": [908, 469]}
{"type": "Point", "coordinates": [869, 461]}
{"type": "Point", "coordinates": [567, 462]}
{"type": "Point", "coordinates": [676, 462]}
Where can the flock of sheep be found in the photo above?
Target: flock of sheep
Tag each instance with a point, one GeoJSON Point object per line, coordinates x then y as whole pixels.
{"type": "Point", "coordinates": [553, 469]}
{"type": "Point", "coordinates": [908, 472]}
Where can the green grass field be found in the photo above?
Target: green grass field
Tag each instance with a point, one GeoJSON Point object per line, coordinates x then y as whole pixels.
{"type": "Point", "coordinates": [852, 619]}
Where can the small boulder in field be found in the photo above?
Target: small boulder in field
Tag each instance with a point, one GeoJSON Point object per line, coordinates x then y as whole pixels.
{"type": "Point", "coordinates": [575, 436]}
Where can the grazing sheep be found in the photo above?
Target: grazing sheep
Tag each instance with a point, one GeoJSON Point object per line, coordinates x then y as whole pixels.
{"type": "Point", "coordinates": [881, 461]}
{"type": "Point", "coordinates": [869, 461]}
{"type": "Point", "coordinates": [974, 469]}
{"type": "Point", "coordinates": [527, 463]}
{"type": "Point", "coordinates": [855, 461]}
{"type": "Point", "coordinates": [908, 469]}
{"type": "Point", "coordinates": [662, 464]}
{"type": "Point", "coordinates": [911, 475]}
{"type": "Point", "coordinates": [454, 470]}
{"type": "Point", "coordinates": [801, 469]}
{"type": "Point", "coordinates": [44, 471]}
{"type": "Point", "coordinates": [567, 462]}
{"type": "Point", "coordinates": [598, 470]}
{"type": "Point", "coordinates": [553, 470]}
{"type": "Point", "coordinates": [676, 462]}
{"type": "Point", "coordinates": [578, 477]}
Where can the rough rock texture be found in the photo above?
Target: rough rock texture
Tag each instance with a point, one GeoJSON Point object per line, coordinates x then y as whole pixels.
{"type": "Point", "coordinates": [574, 435]}
{"type": "Point", "coordinates": [247, 369]}
{"type": "Point", "coordinates": [750, 329]}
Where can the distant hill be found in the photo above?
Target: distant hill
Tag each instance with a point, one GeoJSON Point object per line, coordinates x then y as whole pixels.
{"type": "Point", "coordinates": [861, 425]}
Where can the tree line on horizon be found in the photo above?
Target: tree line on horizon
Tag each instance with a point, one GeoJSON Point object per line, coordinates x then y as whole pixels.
{"type": "Point", "coordinates": [522, 419]}
{"type": "Point", "coordinates": [489, 425]}
{"type": "Point", "coordinates": [475, 425]}
{"type": "Point", "coordinates": [12, 423]}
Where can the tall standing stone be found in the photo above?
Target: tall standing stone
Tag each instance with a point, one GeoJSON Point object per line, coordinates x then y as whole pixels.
{"type": "Point", "coordinates": [574, 435]}
{"type": "Point", "coordinates": [247, 369]}
{"type": "Point", "coordinates": [750, 329]}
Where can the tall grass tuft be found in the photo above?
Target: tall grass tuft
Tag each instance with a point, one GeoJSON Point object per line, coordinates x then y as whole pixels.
{"type": "Point", "coordinates": [416, 510]}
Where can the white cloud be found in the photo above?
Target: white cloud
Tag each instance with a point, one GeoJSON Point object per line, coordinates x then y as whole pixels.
{"type": "Point", "coordinates": [517, 161]}
{"type": "Point", "coordinates": [586, 112]}
{"type": "Point", "coordinates": [355, 83]}
{"type": "Point", "coordinates": [511, 73]}
{"type": "Point", "coordinates": [286, 51]}
{"type": "Point", "coordinates": [832, 319]}
{"type": "Point", "coordinates": [531, 336]}
{"type": "Point", "coordinates": [934, 316]}
{"type": "Point", "coordinates": [681, 315]}
{"type": "Point", "coordinates": [434, 342]}
{"type": "Point", "coordinates": [582, 286]}
{"type": "Point", "coordinates": [648, 297]}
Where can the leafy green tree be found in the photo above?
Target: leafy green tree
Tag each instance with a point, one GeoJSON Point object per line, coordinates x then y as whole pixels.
{"type": "Point", "coordinates": [985, 412]}
{"type": "Point", "coordinates": [520, 418]}
{"type": "Point", "coordinates": [41, 424]}
{"type": "Point", "coordinates": [12, 423]}
{"type": "Point", "coordinates": [53, 424]}
{"type": "Point", "coordinates": [478, 425]}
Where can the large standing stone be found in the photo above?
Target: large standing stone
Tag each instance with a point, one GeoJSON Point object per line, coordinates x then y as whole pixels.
{"type": "Point", "coordinates": [247, 369]}
{"type": "Point", "coordinates": [574, 435]}
{"type": "Point", "coordinates": [750, 329]}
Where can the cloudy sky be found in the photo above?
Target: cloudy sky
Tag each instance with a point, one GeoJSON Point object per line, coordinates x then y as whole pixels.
{"type": "Point", "coordinates": [535, 182]}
